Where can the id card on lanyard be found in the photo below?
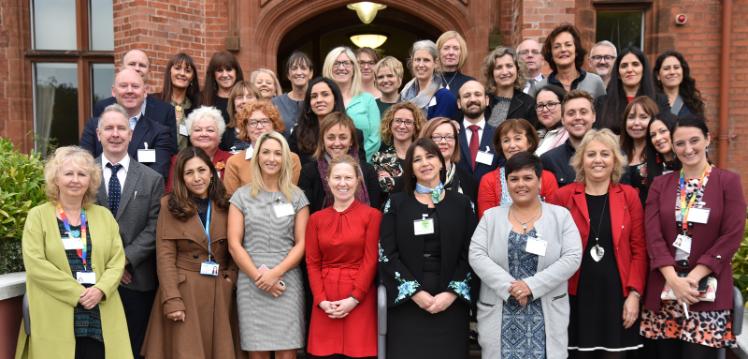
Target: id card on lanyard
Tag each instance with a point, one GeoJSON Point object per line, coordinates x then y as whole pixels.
{"type": "Point", "coordinates": [78, 244]}
{"type": "Point", "coordinates": [209, 267]}
{"type": "Point", "coordinates": [687, 211]}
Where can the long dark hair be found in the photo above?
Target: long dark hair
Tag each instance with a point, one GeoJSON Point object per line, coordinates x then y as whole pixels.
{"type": "Point", "coordinates": [307, 125]}
{"type": "Point", "coordinates": [409, 177]}
{"type": "Point", "coordinates": [180, 202]}
{"type": "Point", "coordinates": [615, 99]}
{"type": "Point", "coordinates": [647, 105]}
{"type": "Point", "coordinates": [193, 89]}
{"type": "Point", "coordinates": [654, 158]}
{"type": "Point", "coordinates": [220, 60]}
{"type": "Point", "coordinates": [687, 90]}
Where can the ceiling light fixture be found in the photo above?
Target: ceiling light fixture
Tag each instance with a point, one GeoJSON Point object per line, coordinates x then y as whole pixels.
{"type": "Point", "coordinates": [369, 40]}
{"type": "Point", "coordinates": [366, 10]}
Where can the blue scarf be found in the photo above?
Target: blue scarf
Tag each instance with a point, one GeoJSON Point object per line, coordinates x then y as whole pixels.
{"type": "Point", "coordinates": [436, 192]}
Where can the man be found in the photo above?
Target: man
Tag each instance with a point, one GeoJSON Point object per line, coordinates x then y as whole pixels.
{"type": "Point", "coordinates": [476, 145]}
{"type": "Point", "coordinates": [602, 57]}
{"type": "Point", "coordinates": [132, 192]}
{"type": "Point", "coordinates": [529, 52]}
{"type": "Point", "coordinates": [453, 53]}
{"type": "Point", "coordinates": [156, 110]}
{"type": "Point", "coordinates": [151, 142]}
{"type": "Point", "coordinates": [577, 117]}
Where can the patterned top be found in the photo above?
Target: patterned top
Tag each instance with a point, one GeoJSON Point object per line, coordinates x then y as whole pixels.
{"type": "Point", "coordinates": [86, 322]}
{"type": "Point", "coordinates": [386, 160]}
{"type": "Point", "coordinates": [692, 189]}
{"type": "Point", "coordinates": [499, 111]}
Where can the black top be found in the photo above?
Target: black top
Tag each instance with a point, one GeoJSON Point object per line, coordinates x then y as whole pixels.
{"type": "Point", "coordinates": [454, 80]}
{"type": "Point", "coordinates": [304, 158]}
{"type": "Point", "coordinates": [614, 124]}
{"type": "Point", "coordinates": [311, 183]}
{"type": "Point", "coordinates": [557, 161]}
{"type": "Point", "coordinates": [521, 106]}
{"type": "Point", "coordinates": [384, 106]}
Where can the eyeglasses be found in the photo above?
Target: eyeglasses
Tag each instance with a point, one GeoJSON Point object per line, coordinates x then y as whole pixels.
{"type": "Point", "coordinates": [607, 58]}
{"type": "Point", "coordinates": [550, 106]}
{"type": "Point", "coordinates": [345, 64]}
{"type": "Point", "coordinates": [401, 122]}
{"type": "Point", "coordinates": [447, 138]}
{"type": "Point", "coordinates": [259, 123]}
{"type": "Point", "coordinates": [365, 63]}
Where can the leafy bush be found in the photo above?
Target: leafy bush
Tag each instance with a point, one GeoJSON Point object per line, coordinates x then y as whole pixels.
{"type": "Point", "coordinates": [740, 266]}
{"type": "Point", "coordinates": [21, 188]}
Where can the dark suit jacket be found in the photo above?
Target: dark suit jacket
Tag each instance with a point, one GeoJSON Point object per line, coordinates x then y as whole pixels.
{"type": "Point", "coordinates": [137, 217]}
{"type": "Point", "coordinates": [155, 109]}
{"type": "Point", "coordinates": [714, 243]}
{"type": "Point", "coordinates": [521, 106]}
{"type": "Point", "coordinates": [156, 135]}
{"type": "Point", "coordinates": [465, 161]}
{"type": "Point", "coordinates": [557, 161]}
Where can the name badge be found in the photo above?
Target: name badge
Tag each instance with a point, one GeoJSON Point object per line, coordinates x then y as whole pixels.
{"type": "Point", "coordinates": [209, 268]}
{"type": "Point", "coordinates": [536, 246]}
{"type": "Point", "coordinates": [484, 157]}
{"type": "Point", "coordinates": [72, 243]}
{"type": "Point", "coordinates": [183, 130]}
{"type": "Point", "coordinates": [146, 155]}
{"type": "Point", "coordinates": [423, 226]}
{"type": "Point", "coordinates": [683, 242]}
{"type": "Point", "coordinates": [86, 277]}
{"type": "Point", "coordinates": [698, 215]}
{"type": "Point", "coordinates": [283, 210]}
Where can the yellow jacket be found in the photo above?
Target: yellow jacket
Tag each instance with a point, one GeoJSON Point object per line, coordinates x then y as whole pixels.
{"type": "Point", "coordinates": [53, 292]}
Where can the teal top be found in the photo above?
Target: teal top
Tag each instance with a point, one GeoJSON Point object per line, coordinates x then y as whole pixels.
{"type": "Point", "coordinates": [364, 112]}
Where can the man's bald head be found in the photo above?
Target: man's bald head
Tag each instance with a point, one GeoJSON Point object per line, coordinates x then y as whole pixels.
{"type": "Point", "coordinates": [137, 60]}
{"type": "Point", "coordinates": [129, 90]}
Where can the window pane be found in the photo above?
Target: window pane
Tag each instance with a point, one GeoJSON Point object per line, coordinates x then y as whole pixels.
{"type": "Point", "coordinates": [102, 77]}
{"type": "Point", "coordinates": [102, 28]}
{"type": "Point", "coordinates": [54, 24]}
{"type": "Point", "coordinates": [623, 28]}
{"type": "Point", "coordinates": [55, 105]}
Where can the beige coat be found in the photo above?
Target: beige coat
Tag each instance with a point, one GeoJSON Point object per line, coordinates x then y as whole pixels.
{"type": "Point", "coordinates": [237, 172]}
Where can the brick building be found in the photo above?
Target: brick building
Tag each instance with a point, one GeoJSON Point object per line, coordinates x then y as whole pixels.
{"type": "Point", "coordinates": [262, 32]}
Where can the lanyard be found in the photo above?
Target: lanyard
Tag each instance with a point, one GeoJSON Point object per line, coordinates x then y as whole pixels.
{"type": "Point", "coordinates": [206, 228]}
{"type": "Point", "coordinates": [82, 253]}
{"type": "Point", "coordinates": [685, 207]}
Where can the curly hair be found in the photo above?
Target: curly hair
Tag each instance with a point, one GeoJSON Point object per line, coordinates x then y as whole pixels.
{"type": "Point", "coordinates": [79, 157]}
{"type": "Point", "coordinates": [489, 62]}
{"type": "Point", "coordinates": [580, 52]}
{"type": "Point", "coordinates": [263, 106]}
{"type": "Point", "coordinates": [687, 90]}
{"type": "Point", "coordinates": [389, 116]}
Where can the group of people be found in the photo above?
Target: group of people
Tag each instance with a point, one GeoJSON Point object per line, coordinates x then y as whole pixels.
{"type": "Point", "coordinates": [567, 214]}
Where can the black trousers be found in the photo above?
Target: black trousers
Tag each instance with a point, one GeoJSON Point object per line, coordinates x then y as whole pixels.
{"type": "Point", "coordinates": [87, 348]}
{"type": "Point", "coordinates": [137, 311]}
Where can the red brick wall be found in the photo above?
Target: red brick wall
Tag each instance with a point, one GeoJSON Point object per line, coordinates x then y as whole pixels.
{"type": "Point", "coordinates": [15, 74]}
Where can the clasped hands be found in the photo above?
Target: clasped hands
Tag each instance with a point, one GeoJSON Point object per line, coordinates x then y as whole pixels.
{"type": "Point", "coordinates": [434, 303]}
{"type": "Point", "coordinates": [686, 289]}
{"type": "Point", "coordinates": [90, 297]}
{"type": "Point", "coordinates": [520, 291]}
{"type": "Point", "coordinates": [338, 309]}
{"type": "Point", "coordinates": [269, 281]}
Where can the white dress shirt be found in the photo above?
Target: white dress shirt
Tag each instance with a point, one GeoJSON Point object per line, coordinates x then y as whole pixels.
{"type": "Point", "coordinates": [121, 174]}
{"type": "Point", "coordinates": [469, 134]}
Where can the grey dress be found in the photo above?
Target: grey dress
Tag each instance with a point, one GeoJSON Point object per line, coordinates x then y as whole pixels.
{"type": "Point", "coordinates": [267, 323]}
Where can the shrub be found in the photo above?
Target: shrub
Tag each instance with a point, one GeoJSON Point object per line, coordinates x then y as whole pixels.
{"type": "Point", "coordinates": [740, 266]}
{"type": "Point", "coordinates": [21, 188]}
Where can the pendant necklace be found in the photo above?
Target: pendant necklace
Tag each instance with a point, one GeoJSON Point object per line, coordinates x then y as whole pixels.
{"type": "Point", "coordinates": [523, 224]}
{"type": "Point", "coordinates": [597, 251]}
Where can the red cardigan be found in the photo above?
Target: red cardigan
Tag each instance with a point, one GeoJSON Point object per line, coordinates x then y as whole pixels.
{"type": "Point", "coordinates": [626, 223]}
{"type": "Point", "coordinates": [489, 191]}
{"type": "Point", "coordinates": [714, 243]}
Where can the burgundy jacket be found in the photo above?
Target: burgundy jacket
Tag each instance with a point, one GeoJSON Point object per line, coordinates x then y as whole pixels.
{"type": "Point", "coordinates": [714, 243]}
{"type": "Point", "coordinates": [627, 227]}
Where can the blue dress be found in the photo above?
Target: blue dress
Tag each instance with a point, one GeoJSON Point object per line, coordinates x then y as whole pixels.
{"type": "Point", "coordinates": [522, 328]}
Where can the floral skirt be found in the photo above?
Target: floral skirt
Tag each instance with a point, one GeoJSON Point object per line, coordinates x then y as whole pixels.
{"type": "Point", "coordinates": [712, 328]}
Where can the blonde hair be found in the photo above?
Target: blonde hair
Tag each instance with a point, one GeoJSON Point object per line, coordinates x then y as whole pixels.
{"type": "Point", "coordinates": [82, 158]}
{"type": "Point", "coordinates": [608, 139]}
{"type": "Point", "coordinates": [330, 59]}
{"type": "Point", "coordinates": [391, 63]}
{"type": "Point", "coordinates": [285, 182]}
{"type": "Point", "coordinates": [276, 83]}
{"type": "Point", "coordinates": [449, 35]}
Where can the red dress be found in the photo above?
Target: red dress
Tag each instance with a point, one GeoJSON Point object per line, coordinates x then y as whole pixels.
{"type": "Point", "coordinates": [341, 257]}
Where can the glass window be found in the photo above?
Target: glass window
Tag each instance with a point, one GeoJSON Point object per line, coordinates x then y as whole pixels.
{"type": "Point", "coordinates": [54, 24]}
{"type": "Point", "coordinates": [55, 105]}
{"type": "Point", "coordinates": [102, 77]}
{"type": "Point", "coordinates": [102, 27]}
{"type": "Point", "coordinates": [622, 27]}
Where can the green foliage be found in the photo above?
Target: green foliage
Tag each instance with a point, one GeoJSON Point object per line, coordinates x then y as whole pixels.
{"type": "Point", "coordinates": [740, 266]}
{"type": "Point", "coordinates": [21, 188]}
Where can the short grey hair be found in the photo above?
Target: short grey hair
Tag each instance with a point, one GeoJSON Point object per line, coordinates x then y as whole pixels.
{"type": "Point", "coordinates": [427, 45]}
{"type": "Point", "coordinates": [114, 108]}
{"type": "Point", "coordinates": [206, 112]}
{"type": "Point", "coordinates": [605, 43]}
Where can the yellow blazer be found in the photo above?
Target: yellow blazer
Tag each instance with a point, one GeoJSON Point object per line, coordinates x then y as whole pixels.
{"type": "Point", "coordinates": [53, 292]}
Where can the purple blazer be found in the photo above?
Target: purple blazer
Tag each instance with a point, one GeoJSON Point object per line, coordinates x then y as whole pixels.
{"type": "Point", "coordinates": [714, 243]}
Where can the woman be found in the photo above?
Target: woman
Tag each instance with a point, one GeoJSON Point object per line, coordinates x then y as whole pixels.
{"type": "Point", "coordinates": [552, 133]}
{"type": "Point", "coordinates": [524, 254]}
{"type": "Point", "coordinates": [513, 136]}
{"type": "Point", "coordinates": [501, 69]}
{"type": "Point", "coordinates": [341, 67]}
{"type": "Point", "coordinates": [241, 95]}
{"type": "Point", "coordinates": [367, 59]}
{"type": "Point", "coordinates": [672, 77]}
{"type": "Point", "coordinates": [605, 292]}
{"type": "Point", "coordinates": [191, 316]}
{"type": "Point", "coordinates": [425, 89]}
{"type": "Point", "coordinates": [222, 73]}
{"type": "Point", "coordinates": [206, 127]}
{"type": "Point", "coordinates": [443, 132]}
{"type": "Point", "coordinates": [337, 137]}
{"type": "Point", "coordinates": [265, 83]}
{"type": "Point", "coordinates": [267, 220]}
{"type": "Point", "coordinates": [639, 112]}
{"type": "Point", "coordinates": [389, 76]}
{"type": "Point", "coordinates": [341, 258]}
{"type": "Point", "coordinates": [400, 127]}
{"type": "Point", "coordinates": [453, 53]}
{"type": "Point", "coordinates": [252, 121]}
{"type": "Point", "coordinates": [424, 239]}
{"type": "Point", "coordinates": [181, 90]}
{"type": "Point", "coordinates": [68, 279]}
{"type": "Point", "coordinates": [695, 223]}
{"type": "Point", "coordinates": [563, 52]}
{"type": "Point", "coordinates": [322, 98]}
{"type": "Point", "coordinates": [630, 77]}
{"type": "Point", "coordinates": [659, 147]}
{"type": "Point", "coordinates": [299, 71]}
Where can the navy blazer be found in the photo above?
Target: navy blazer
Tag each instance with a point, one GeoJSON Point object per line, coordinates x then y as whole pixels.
{"type": "Point", "coordinates": [156, 135]}
{"type": "Point", "coordinates": [156, 110]}
{"type": "Point", "coordinates": [486, 140]}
